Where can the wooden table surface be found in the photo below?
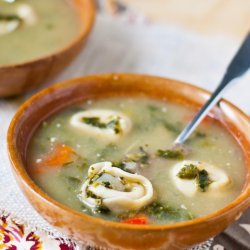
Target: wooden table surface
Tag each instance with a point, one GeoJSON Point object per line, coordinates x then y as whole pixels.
{"type": "Point", "coordinates": [212, 17]}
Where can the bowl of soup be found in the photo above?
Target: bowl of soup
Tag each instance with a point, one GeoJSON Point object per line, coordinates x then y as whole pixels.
{"type": "Point", "coordinates": [95, 157]}
{"type": "Point", "coordinates": [39, 39]}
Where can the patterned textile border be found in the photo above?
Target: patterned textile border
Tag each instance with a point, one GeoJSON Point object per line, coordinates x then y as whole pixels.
{"type": "Point", "coordinates": [17, 235]}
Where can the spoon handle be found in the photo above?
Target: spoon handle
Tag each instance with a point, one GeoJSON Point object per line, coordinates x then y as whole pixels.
{"type": "Point", "coordinates": [238, 66]}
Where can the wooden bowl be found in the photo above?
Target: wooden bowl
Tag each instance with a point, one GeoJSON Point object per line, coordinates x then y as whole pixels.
{"type": "Point", "coordinates": [113, 235]}
{"type": "Point", "coordinates": [18, 78]}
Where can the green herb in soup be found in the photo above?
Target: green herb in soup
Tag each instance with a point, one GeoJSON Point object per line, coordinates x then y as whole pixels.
{"type": "Point", "coordinates": [10, 18]}
{"type": "Point", "coordinates": [142, 157]}
{"type": "Point", "coordinates": [171, 154]}
{"type": "Point", "coordinates": [114, 123]}
{"type": "Point", "coordinates": [160, 212]}
{"type": "Point", "coordinates": [33, 29]}
{"type": "Point", "coordinates": [189, 172]}
{"type": "Point", "coordinates": [203, 180]}
{"type": "Point", "coordinates": [111, 159]}
{"type": "Point", "coordinates": [192, 172]}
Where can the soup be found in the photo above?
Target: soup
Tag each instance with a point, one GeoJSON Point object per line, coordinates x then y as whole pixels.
{"type": "Point", "coordinates": [32, 29]}
{"type": "Point", "coordinates": [114, 159]}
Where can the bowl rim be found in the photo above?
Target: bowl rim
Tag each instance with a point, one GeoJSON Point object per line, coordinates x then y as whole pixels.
{"type": "Point", "coordinates": [19, 167]}
{"type": "Point", "coordinates": [89, 10]}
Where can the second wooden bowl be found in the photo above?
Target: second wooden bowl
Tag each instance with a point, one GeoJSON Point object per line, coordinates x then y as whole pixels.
{"type": "Point", "coordinates": [19, 78]}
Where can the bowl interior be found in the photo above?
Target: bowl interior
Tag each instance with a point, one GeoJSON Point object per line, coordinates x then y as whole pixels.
{"type": "Point", "coordinates": [57, 97]}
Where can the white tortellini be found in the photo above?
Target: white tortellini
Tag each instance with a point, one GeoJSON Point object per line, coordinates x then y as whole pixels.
{"type": "Point", "coordinates": [23, 14]}
{"type": "Point", "coordinates": [116, 189]}
{"type": "Point", "coordinates": [189, 187]}
{"type": "Point", "coordinates": [27, 14]}
{"type": "Point", "coordinates": [107, 124]}
{"type": "Point", "coordinates": [7, 26]}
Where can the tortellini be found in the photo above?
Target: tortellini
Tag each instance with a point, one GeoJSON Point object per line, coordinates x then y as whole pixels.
{"type": "Point", "coordinates": [107, 124]}
{"type": "Point", "coordinates": [189, 187]}
{"type": "Point", "coordinates": [7, 26]}
{"type": "Point", "coordinates": [117, 190]}
{"type": "Point", "coordinates": [22, 14]}
{"type": "Point", "coordinates": [27, 14]}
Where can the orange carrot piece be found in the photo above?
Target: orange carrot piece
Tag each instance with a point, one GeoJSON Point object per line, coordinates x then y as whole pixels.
{"type": "Point", "coordinates": [142, 220]}
{"type": "Point", "coordinates": [61, 154]}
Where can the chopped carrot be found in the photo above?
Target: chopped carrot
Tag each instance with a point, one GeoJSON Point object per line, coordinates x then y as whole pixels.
{"type": "Point", "coordinates": [60, 154]}
{"type": "Point", "coordinates": [142, 220]}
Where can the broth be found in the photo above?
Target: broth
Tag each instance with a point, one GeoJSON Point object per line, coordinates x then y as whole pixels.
{"type": "Point", "coordinates": [154, 126]}
{"type": "Point", "coordinates": [45, 27]}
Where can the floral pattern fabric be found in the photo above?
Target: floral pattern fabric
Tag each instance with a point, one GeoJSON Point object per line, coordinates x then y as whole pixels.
{"type": "Point", "coordinates": [15, 235]}
{"type": "Point", "coordinates": [18, 236]}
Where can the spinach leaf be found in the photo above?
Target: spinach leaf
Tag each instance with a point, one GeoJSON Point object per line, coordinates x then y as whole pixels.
{"type": "Point", "coordinates": [114, 124]}
{"type": "Point", "coordinates": [153, 108]}
{"type": "Point", "coordinates": [203, 180]}
{"type": "Point", "coordinates": [142, 157]}
{"type": "Point", "coordinates": [175, 128]}
{"type": "Point", "coordinates": [101, 209]}
{"type": "Point", "coordinates": [175, 154]}
{"type": "Point", "coordinates": [107, 184]}
{"type": "Point", "coordinates": [188, 172]}
{"type": "Point", "coordinates": [94, 121]}
{"type": "Point", "coordinates": [160, 212]}
{"type": "Point", "coordinates": [192, 172]}
{"type": "Point", "coordinates": [5, 17]}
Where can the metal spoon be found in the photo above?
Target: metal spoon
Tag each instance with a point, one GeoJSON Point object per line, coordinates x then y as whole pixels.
{"type": "Point", "coordinates": [238, 66]}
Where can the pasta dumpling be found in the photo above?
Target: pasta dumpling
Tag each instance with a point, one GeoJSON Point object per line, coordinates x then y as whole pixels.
{"type": "Point", "coordinates": [191, 177]}
{"type": "Point", "coordinates": [27, 14]}
{"type": "Point", "coordinates": [107, 124]}
{"type": "Point", "coordinates": [115, 189]}
{"type": "Point", "coordinates": [7, 26]}
{"type": "Point", "coordinates": [23, 14]}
